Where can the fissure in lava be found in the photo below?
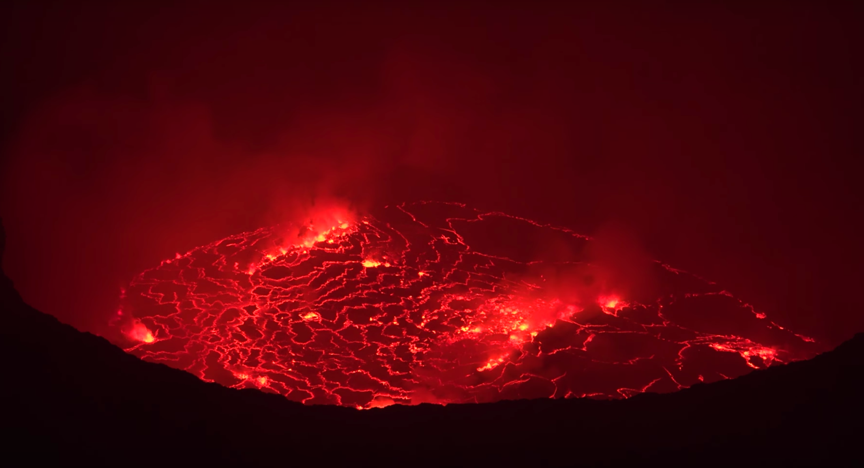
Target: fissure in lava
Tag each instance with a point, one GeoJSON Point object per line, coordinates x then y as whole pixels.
{"type": "Point", "coordinates": [440, 303]}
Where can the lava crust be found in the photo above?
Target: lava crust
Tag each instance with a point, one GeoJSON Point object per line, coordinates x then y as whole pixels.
{"type": "Point", "coordinates": [440, 303]}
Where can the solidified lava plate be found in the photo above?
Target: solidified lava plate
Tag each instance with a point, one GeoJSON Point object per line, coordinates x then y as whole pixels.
{"type": "Point", "coordinates": [440, 303]}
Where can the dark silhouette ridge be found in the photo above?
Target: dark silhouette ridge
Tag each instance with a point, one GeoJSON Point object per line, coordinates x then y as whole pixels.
{"type": "Point", "coordinates": [73, 398]}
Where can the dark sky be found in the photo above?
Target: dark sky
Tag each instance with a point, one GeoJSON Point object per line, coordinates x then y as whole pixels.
{"type": "Point", "coordinates": [723, 140]}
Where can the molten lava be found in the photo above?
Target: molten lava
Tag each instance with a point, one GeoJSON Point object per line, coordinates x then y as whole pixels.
{"type": "Point", "coordinates": [139, 332]}
{"type": "Point", "coordinates": [436, 302]}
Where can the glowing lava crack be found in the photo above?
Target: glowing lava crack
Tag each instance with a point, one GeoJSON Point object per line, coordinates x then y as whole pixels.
{"type": "Point", "coordinates": [436, 302]}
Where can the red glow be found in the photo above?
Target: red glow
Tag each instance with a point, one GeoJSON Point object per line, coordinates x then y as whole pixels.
{"type": "Point", "coordinates": [139, 332]}
{"type": "Point", "coordinates": [379, 402]}
{"type": "Point", "coordinates": [747, 350]}
{"type": "Point", "coordinates": [611, 302]}
{"type": "Point", "coordinates": [415, 307]}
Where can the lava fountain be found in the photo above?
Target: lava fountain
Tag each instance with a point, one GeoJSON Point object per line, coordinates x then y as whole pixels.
{"type": "Point", "coordinates": [439, 303]}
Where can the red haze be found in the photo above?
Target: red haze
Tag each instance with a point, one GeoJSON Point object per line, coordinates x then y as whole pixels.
{"type": "Point", "coordinates": [721, 138]}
